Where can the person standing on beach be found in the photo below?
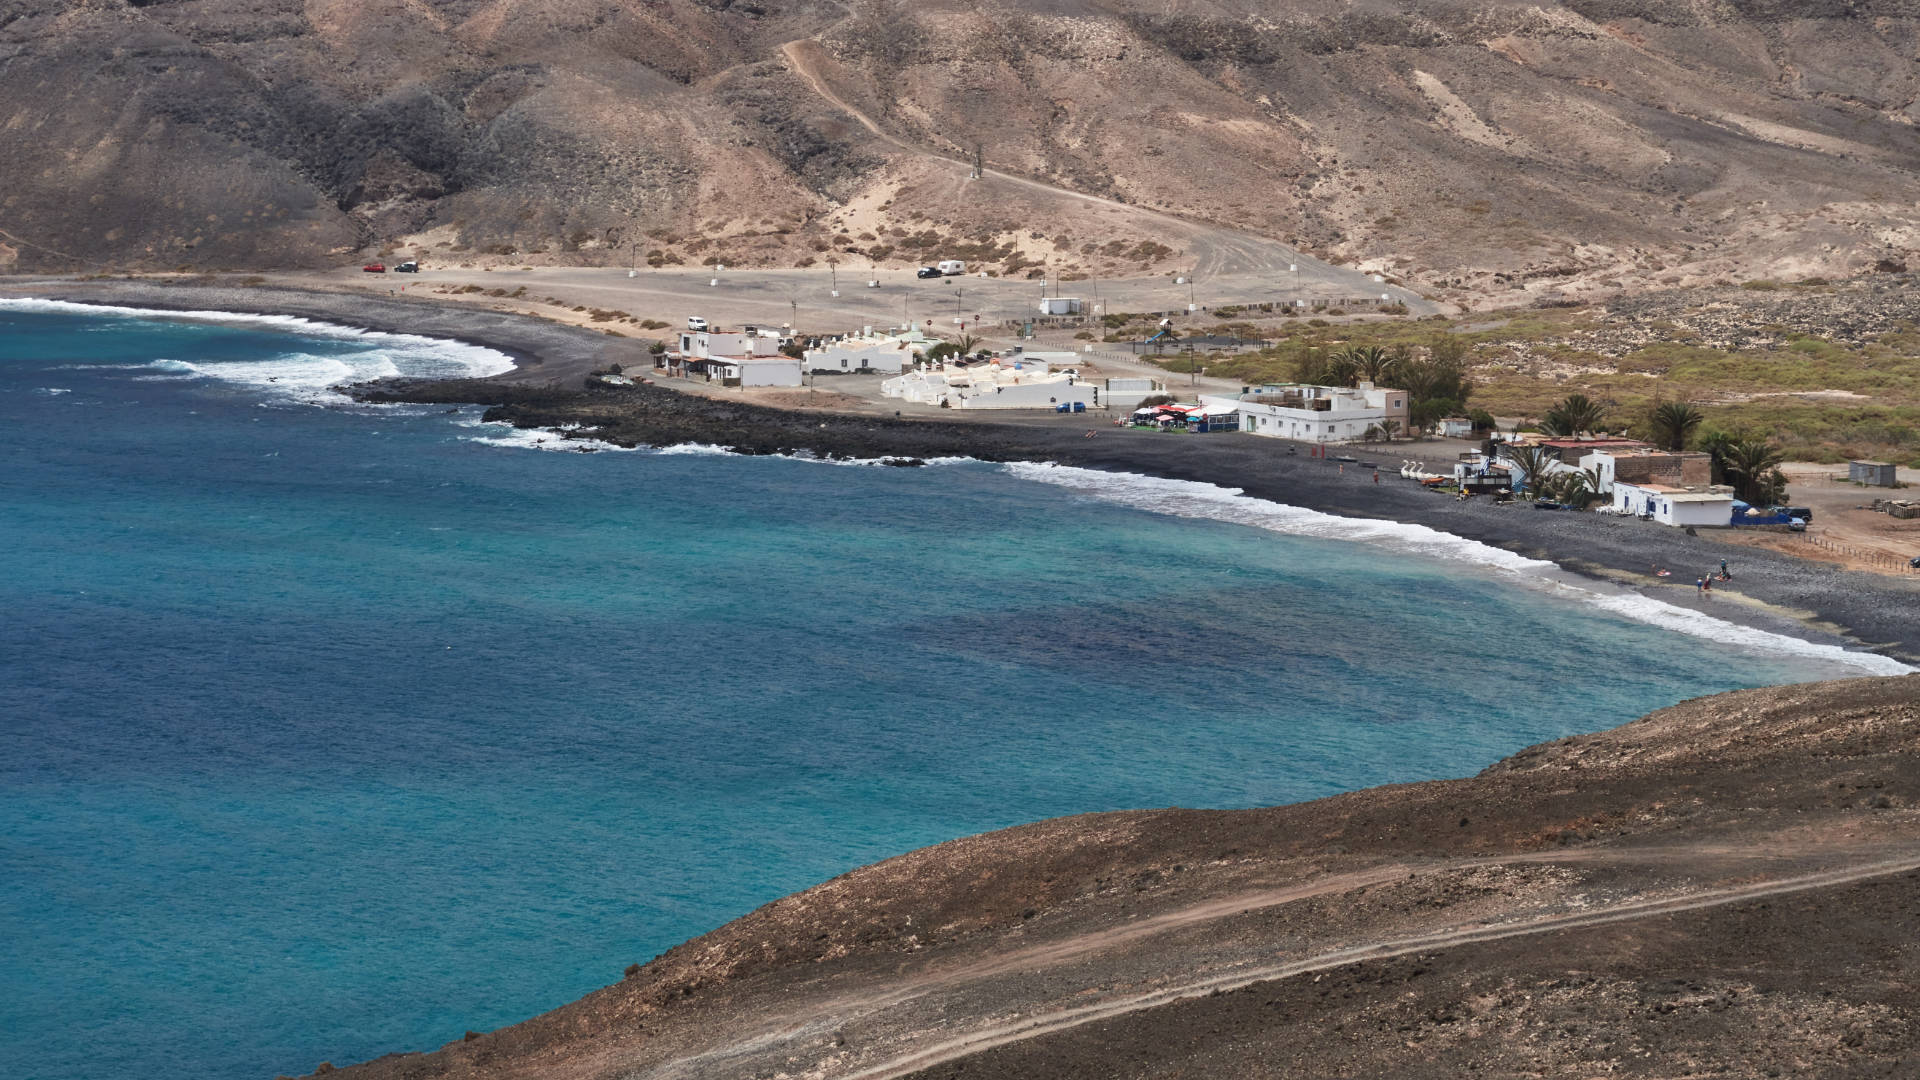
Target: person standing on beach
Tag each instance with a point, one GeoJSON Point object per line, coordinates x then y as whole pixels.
{"type": "Point", "coordinates": [1700, 586]}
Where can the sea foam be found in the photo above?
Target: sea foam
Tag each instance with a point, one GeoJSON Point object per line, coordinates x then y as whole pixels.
{"type": "Point", "coordinates": [1194, 499]}
{"type": "Point", "coordinates": [305, 376]}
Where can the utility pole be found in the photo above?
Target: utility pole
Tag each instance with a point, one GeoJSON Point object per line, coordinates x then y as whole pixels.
{"type": "Point", "coordinates": [979, 161]}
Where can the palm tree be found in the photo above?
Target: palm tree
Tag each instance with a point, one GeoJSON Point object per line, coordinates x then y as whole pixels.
{"type": "Point", "coordinates": [1389, 428]}
{"type": "Point", "coordinates": [1535, 464]}
{"type": "Point", "coordinates": [1371, 362]}
{"type": "Point", "coordinates": [1717, 445]}
{"type": "Point", "coordinates": [1342, 369]}
{"type": "Point", "coordinates": [1751, 462]}
{"type": "Point", "coordinates": [1579, 489]}
{"type": "Point", "coordinates": [1673, 423]}
{"type": "Point", "coordinates": [1575, 414]}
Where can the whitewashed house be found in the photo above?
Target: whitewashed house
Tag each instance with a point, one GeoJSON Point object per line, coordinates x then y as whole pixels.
{"type": "Point", "coordinates": [1673, 505]}
{"type": "Point", "coordinates": [867, 352]}
{"type": "Point", "coordinates": [1318, 413]}
{"type": "Point", "coordinates": [1021, 384]}
{"type": "Point", "coordinates": [734, 359]}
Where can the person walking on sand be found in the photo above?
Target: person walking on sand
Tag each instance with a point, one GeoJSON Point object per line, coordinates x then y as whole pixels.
{"type": "Point", "coordinates": [1700, 586]}
{"type": "Point", "coordinates": [1725, 574]}
{"type": "Point", "coordinates": [1376, 476]}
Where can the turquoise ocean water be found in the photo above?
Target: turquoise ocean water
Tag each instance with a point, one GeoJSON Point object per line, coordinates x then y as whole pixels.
{"type": "Point", "coordinates": [331, 731]}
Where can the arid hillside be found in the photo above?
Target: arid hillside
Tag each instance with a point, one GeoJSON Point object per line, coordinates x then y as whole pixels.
{"type": "Point", "coordinates": [1724, 888]}
{"type": "Point", "coordinates": [1454, 144]}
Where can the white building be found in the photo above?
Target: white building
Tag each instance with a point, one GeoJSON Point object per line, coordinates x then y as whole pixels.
{"type": "Point", "coordinates": [1672, 505]}
{"type": "Point", "coordinates": [1128, 392]}
{"type": "Point", "coordinates": [735, 359]}
{"type": "Point", "coordinates": [866, 352]}
{"type": "Point", "coordinates": [1061, 305]}
{"type": "Point", "coordinates": [1318, 413]}
{"type": "Point", "coordinates": [1456, 427]}
{"type": "Point", "coordinates": [993, 385]}
{"type": "Point", "coordinates": [775, 370]}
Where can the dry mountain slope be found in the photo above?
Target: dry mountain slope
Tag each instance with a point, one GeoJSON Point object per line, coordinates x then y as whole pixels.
{"type": "Point", "coordinates": [1493, 143]}
{"type": "Point", "coordinates": [1723, 887]}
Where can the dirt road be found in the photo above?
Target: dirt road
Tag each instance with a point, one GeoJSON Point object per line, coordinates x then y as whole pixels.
{"type": "Point", "coordinates": [922, 1019]}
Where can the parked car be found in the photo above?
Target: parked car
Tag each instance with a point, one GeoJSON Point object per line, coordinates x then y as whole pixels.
{"type": "Point", "coordinates": [407, 268]}
{"type": "Point", "coordinates": [927, 272]}
{"type": "Point", "coordinates": [374, 268]}
{"type": "Point", "coordinates": [1804, 513]}
{"type": "Point", "coordinates": [1914, 562]}
{"type": "Point", "coordinates": [695, 322]}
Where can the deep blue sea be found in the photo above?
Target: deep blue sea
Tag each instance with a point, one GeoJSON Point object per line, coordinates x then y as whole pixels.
{"type": "Point", "coordinates": [334, 731]}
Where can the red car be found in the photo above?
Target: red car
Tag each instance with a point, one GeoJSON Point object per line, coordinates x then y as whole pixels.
{"type": "Point", "coordinates": [375, 268]}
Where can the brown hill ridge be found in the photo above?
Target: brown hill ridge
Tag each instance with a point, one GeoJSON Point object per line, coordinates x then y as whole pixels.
{"type": "Point", "coordinates": [1456, 144]}
{"type": "Point", "coordinates": [1729, 887]}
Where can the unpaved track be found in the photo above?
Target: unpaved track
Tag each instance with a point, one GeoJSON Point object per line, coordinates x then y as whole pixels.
{"type": "Point", "coordinates": [1020, 1028]}
{"type": "Point", "coordinates": [785, 1034]}
{"type": "Point", "coordinates": [1218, 252]}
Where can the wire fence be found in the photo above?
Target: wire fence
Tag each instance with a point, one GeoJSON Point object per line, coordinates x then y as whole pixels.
{"type": "Point", "coordinates": [1879, 560]}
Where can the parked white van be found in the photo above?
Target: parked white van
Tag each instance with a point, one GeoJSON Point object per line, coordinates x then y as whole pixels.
{"type": "Point", "coordinates": [951, 267]}
{"type": "Point", "coordinates": [695, 322]}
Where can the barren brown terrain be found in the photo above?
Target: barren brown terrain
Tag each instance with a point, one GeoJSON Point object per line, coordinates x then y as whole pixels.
{"type": "Point", "coordinates": [1728, 887]}
{"type": "Point", "coordinates": [1471, 149]}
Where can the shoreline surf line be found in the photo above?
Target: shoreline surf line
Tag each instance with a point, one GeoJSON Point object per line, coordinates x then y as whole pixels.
{"type": "Point", "coordinates": [1200, 500]}
{"type": "Point", "coordinates": [1850, 607]}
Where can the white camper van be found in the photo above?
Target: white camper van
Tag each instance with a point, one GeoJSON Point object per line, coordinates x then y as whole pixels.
{"type": "Point", "coordinates": [951, 267]}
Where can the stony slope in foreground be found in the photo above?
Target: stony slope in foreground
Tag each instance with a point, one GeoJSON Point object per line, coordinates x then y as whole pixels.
{"type": "Point", "coordinates": [1727, 887]}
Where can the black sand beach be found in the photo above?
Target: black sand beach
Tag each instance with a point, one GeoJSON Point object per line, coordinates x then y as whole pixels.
{"type": "Point", "coordinates": [1770, 591]}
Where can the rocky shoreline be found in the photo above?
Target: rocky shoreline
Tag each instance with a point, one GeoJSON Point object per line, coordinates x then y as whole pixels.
{"type": "Point", "coordinates": [1773, 592]}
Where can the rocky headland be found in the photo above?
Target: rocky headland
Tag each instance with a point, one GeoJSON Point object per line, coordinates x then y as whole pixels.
{"type": "Point", "coordinates": [1728, 887]}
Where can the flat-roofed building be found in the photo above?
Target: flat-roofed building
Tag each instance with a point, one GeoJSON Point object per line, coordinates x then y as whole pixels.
{"type": "Point", "coordinates": [1319, 413]}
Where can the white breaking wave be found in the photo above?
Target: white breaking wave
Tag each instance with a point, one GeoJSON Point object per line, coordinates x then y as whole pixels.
{"type": "Point", "coordinates": [504, 434]}
{"type": "Point", "coordinates": [1192, 499]}
{"type": "Point", "coordinates": [303, 376]}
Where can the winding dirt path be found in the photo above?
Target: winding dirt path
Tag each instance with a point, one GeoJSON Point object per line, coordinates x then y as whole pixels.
{"type": "Point", "coordinates": [1020, 1028]}
{"type": "Point", "coordinates": [784, 1034]}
